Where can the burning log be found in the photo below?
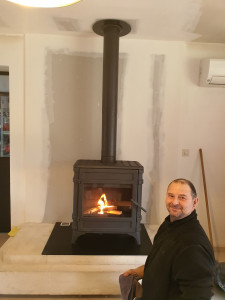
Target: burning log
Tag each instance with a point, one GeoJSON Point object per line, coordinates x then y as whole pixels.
{"type": "Point", "coordinates": [91, 210]}
{"type": "Point", "coordinates": [95, 210]}
{"type": "Point", "coordinates": [114, 212]}
{"type": "Point", "coordinates": [111, 207]}
{"type": "Point", "coordinates": [104, 208]}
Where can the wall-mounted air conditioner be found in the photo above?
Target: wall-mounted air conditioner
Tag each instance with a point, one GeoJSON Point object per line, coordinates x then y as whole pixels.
{"type": "Point", "coordinates": [212, 72]}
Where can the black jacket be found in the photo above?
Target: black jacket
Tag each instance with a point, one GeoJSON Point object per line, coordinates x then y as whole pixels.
{"type": "Point", "coordinates": [180, 264]}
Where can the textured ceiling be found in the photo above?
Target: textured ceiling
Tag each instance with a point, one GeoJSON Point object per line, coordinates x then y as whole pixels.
{"type": "Point", "coordinates": [172, 20]}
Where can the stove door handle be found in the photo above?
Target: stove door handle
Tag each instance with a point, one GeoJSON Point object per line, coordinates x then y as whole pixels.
{"type": "Point", "coordinates": [138, 205]}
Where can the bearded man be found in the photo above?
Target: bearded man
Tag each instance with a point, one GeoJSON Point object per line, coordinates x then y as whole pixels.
{"type": "Point", "coordinates": [181, 261]}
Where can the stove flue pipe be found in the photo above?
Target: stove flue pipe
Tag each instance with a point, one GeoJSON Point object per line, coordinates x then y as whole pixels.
{"type": "Point", "coordinates": [111, 30]}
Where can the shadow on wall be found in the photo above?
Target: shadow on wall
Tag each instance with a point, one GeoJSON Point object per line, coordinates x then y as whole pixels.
{"type": "Point", "coordinates": [74, 106]}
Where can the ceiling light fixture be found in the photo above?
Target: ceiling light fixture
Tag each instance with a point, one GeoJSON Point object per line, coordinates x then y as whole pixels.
{"type": "Point", "coordinates": [44, 3]}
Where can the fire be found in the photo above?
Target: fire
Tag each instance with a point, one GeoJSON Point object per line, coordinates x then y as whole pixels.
{"type": "Point", "coordinates": [103, 203]}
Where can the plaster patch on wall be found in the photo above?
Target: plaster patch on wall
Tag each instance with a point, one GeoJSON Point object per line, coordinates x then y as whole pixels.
{"type": "Point", "coordinates": [192, 15]}
{"type": "Point", "coordinates": [74, 108]}
{"type": "Point", "coordinates": [177, 24]}
{"type": "Point", "coordinates": [66, 24]}
{"type": "Point", "coordinates": [158, 84]}
{"type": "Point", "coordinates": [121, 75]}
{"type": "Point", "coordinates": [74, 111]}
{"type": "Point", "coordinates": [191, 18]}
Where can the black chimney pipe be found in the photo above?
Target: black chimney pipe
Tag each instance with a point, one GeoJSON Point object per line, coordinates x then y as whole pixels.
{"type": "Point", "coordinates": [111, 30]}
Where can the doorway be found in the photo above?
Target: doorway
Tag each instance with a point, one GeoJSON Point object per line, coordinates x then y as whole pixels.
{"type": "Point", "coordinates": [5, 216]}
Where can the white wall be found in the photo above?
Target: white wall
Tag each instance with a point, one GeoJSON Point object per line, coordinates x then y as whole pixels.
{"type": "Point", "coordinates": [162, 110]}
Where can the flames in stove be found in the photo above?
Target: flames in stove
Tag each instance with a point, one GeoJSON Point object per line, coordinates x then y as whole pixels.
{"type": "Point", "coordinates": [108, 207]}
{"type": "Point", "coordinates": [105, 208]}
{"type": "Point", "coordinates": [102, 203]}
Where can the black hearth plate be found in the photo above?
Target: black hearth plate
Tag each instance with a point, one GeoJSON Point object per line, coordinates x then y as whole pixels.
{"type": "Point", "coordinates": [60, 243]}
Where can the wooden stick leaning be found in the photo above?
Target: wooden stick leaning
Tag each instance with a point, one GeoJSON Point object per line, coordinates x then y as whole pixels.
{"type": "Point", "coordinates": [206, 197]}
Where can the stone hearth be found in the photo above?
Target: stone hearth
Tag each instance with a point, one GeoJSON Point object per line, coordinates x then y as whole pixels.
{"type": "Point", "coordinates": [24, 271]}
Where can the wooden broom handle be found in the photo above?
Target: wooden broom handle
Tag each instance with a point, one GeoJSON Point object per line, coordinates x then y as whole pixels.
{"type": "Point", "coordinates": [206, 198]}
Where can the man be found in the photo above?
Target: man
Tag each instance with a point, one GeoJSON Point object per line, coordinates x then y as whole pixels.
{"type": "Point", "coordinates": [181, 260]}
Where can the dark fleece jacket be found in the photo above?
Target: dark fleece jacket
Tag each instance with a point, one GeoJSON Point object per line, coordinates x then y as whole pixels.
{"type": "Point", "coordinates": [180, 263]}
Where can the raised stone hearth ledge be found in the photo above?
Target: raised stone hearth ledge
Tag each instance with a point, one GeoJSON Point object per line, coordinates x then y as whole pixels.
{"type": "Point", "coordinates": [24, 271]}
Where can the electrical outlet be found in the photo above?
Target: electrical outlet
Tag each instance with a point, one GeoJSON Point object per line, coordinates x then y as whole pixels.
{"type": "Point", "coordinates": [185, 152]}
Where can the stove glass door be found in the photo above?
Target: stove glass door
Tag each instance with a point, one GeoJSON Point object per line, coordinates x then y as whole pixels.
{"type": "Point", "coordinates": [104, 200]}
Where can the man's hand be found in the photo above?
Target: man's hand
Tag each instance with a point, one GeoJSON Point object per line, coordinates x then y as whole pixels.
{"type": "Point", "coordinates": [139, 271]}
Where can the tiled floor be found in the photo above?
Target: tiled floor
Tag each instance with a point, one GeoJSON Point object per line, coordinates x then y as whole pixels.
{"type": "Point", "coordinates": [219, 252]}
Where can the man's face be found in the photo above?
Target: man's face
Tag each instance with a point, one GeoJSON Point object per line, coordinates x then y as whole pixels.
{"type": "Point", "coordinates": [179, 201]}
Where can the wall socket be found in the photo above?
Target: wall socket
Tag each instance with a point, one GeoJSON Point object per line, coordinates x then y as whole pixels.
{"type": "Point", "coordinates": [185, 152]}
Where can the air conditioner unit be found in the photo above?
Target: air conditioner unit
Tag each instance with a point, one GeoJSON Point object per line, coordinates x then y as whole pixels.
{"type": "Point", "coordinates": [212, 72]}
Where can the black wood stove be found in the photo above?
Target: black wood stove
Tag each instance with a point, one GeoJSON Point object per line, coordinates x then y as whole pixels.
{"type": "Point", "coordinates": [107, 192]}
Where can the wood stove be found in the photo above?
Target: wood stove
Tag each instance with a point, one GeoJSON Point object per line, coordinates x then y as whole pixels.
{"type": "Point", "coordinates": [107, 198]}
{"type": "Point", "coordinates": [107, 192]}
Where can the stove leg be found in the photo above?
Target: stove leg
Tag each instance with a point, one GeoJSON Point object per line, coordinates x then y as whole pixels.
{"type": "Point", "coordinates": [75, 236]}
{"type": "Point", "coordinates": [137, 236]}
